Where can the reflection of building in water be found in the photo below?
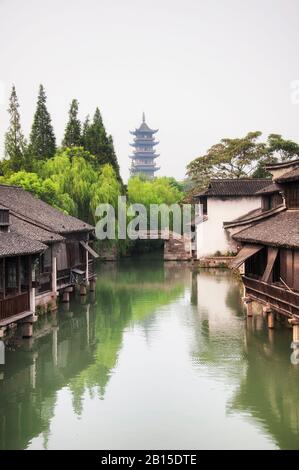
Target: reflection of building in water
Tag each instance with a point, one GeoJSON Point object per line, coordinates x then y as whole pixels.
{"type": "Point", "coordinates": [256, 361]}
{"type": "Point", "coordinates": [32, 376]}
{"type": "Point", "coordinates": [269, 389]}
{"type": "Point", "coordinates": [218, 322]}
{"type": "Point", "coordinates": [79, 348]}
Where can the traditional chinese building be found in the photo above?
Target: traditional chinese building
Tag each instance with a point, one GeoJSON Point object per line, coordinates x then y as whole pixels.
{"type": "Point", "coordinates": [268, 240]}
{"type": "Point", "coordinates": [44, 253]}
{"type": "Point", "coordinates": [144, 154]}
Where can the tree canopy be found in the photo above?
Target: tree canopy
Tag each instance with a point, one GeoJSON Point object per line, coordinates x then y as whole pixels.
{"type": "Point", "coordinates": [240, 157]}
{"type": "Point", "coordinates": [15, 144]}
{"type": "Point", "coordinates": [161, 190]}
{"type": "Point", "coordinates": [72, 134]}
{"type": "Point", "coordinates": [98, 143]}
{"type": "Point", "coordinates": [42, 144]}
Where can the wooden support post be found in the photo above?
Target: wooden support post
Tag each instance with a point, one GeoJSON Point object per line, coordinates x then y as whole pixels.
{"type": "Point", "coordinates": [27, 330]}
{"type": "Point", "coordinates": [31, 289]}
{"type": "Point", "coordinates": [83, 289]}
{"type": "Point", "coordinates": [271, 319]}
{"type": "Point", "coordinates": [296, 333]}
{"type": "Point", "coordinates": [66, 306]}
{"type": "Point", "coordinates": [266, 310]}
{"type": "Point", "coordinates": [54, 273]}
{"type": "Point", "coordinates": [87, 323]}
{"type": "Point", "coordinates": [92, 297]}
{"type": "Point", "coordinates": [92, 285]}
{"type": "Point", "coordinates": [87, 268]}
{"type": "Point", "coordinates": [65, 297]}
{"type": "Point", "coordinates": [295, 324]}
{"type": "Point", "coordinates": [248, 306]}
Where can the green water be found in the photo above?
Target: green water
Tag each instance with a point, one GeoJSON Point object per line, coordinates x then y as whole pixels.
{"type": "Point", "coordinates": [159, 358]}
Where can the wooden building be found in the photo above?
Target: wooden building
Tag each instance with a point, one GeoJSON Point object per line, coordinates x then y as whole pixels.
{"type": "Point", "coordinates": [268, 239]}
{"type": "Point", "coordinates": [65, 256]}
{"type": "Point", "coordinates": [18, 257]}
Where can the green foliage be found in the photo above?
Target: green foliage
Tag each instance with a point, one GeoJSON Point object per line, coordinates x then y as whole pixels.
{"type": "Point", "coordinates": [280, 149]}
{"type": "Point", "coordinates": [42, 143]}
{"type": "Point", "coordinates": [242, 157]}
{"type": "Point", "coordinates": [69, 181]}
{"type": "Point", "coordinates": [14, 139]}
{"type": "Point", "coordinates": [98, 143]}
{"type": "Point", "coordinates": [74, 173]}
{"type": "Point", "coordinates": [44, 189]}
{"type": "Point", "coordinates": [161, 190]}
{"type": "Point", "coordinates": [72, 135]}
{"type": "Point", "coordinates": [231, 158]}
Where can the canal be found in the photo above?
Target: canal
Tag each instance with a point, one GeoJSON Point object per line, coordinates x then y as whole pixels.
{"type": "Point", "coordinates": [160, 357]}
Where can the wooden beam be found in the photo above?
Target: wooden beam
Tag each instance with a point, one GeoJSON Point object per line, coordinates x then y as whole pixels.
{"type": "Point", "coordinates": [4, 280]}
{"type": "Point", "coordinates": [272, 255]}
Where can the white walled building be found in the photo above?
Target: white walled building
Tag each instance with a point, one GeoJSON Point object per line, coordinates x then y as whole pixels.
{"type": "Point", "coordinates": [224, 200]}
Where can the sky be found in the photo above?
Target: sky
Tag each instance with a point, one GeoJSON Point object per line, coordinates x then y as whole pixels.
{"type": "Point", "coordinates": [201, 70]}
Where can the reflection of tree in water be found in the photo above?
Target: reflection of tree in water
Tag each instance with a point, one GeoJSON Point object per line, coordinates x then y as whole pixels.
{"type": "Point", "coordinates": [88, 339]}
{"type": "Point", "coordinates": [126, 297]}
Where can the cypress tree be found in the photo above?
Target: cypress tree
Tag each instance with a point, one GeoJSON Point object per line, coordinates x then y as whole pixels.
{"type": "Point", "coordinates": [85, 130]}
{"type": "Point", "coordinates": [98, 143]}
{"type": "Point", "coordinates": [15, 144]}
{"type": "Point", "coordinates": [72, 135]}
{"type": "Point", "coordinates": [42, 139]}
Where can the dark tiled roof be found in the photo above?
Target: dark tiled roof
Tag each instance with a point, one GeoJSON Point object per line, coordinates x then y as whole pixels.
{"type": "Point", "coordinates": [292, 175]}
{"type": "Point", "coordinates": [14, 244]}
{"type": "Point", "coordinates": [272, 188]}
{"type": "Point", "coordinates": [285, 164]}
{"type": "Point", "coordinates": [34, 210]}
{"type": "Point", "coordinates": [253, 216]}
{"type": "Point", "coordinates": [32, 231]}
{"type": "Point", "coordinates": [248, 215]}
{"type": "Point", "coordinates": [234, 187]}
{"type": "Point", "coordinates": [145, 128]}
{"type": "Point", "coordinates": [278, 230]}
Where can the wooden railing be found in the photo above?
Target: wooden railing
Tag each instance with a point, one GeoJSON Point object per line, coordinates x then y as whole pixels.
{"type": "Point", "coordinates": [45, 283]}
{"type": "Point", "coordinates": [14, 305]}
{"type": "Point", "coordinates": [91, 268]}
{"type": "Point", "coordinates": [63, 278]}
{"type": "Point", "coordinates": [280, 298]}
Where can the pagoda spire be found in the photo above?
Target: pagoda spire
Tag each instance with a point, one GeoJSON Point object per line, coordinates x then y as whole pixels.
{"type": "Point", "coordinates": [144, 155]}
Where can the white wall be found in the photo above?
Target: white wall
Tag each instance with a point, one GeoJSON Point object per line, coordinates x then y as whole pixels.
{"type": "Point", "coordinates": [210, 235]}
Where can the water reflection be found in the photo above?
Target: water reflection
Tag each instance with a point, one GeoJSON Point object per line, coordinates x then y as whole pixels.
{"type": "Point", "coordinates": [158, 357]}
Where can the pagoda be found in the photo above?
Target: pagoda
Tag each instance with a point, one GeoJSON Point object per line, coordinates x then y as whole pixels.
{"type": "Point", "coordinates": [144, 155]}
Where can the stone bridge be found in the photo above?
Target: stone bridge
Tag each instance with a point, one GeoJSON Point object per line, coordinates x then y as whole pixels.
{"type": "Point", "coordinates": [176, 246]}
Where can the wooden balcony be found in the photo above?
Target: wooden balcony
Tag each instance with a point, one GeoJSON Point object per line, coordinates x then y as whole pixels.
{"type": "Point", "coordinates": [279, 298]}
{"type": "Point", "coordinates": [15, 305]}
{"type": "Point", "coordinates": [44, 283]}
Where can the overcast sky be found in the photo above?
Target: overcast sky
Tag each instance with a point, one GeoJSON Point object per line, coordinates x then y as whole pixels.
{"type": "Point", "coordinates": [200, 69]}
